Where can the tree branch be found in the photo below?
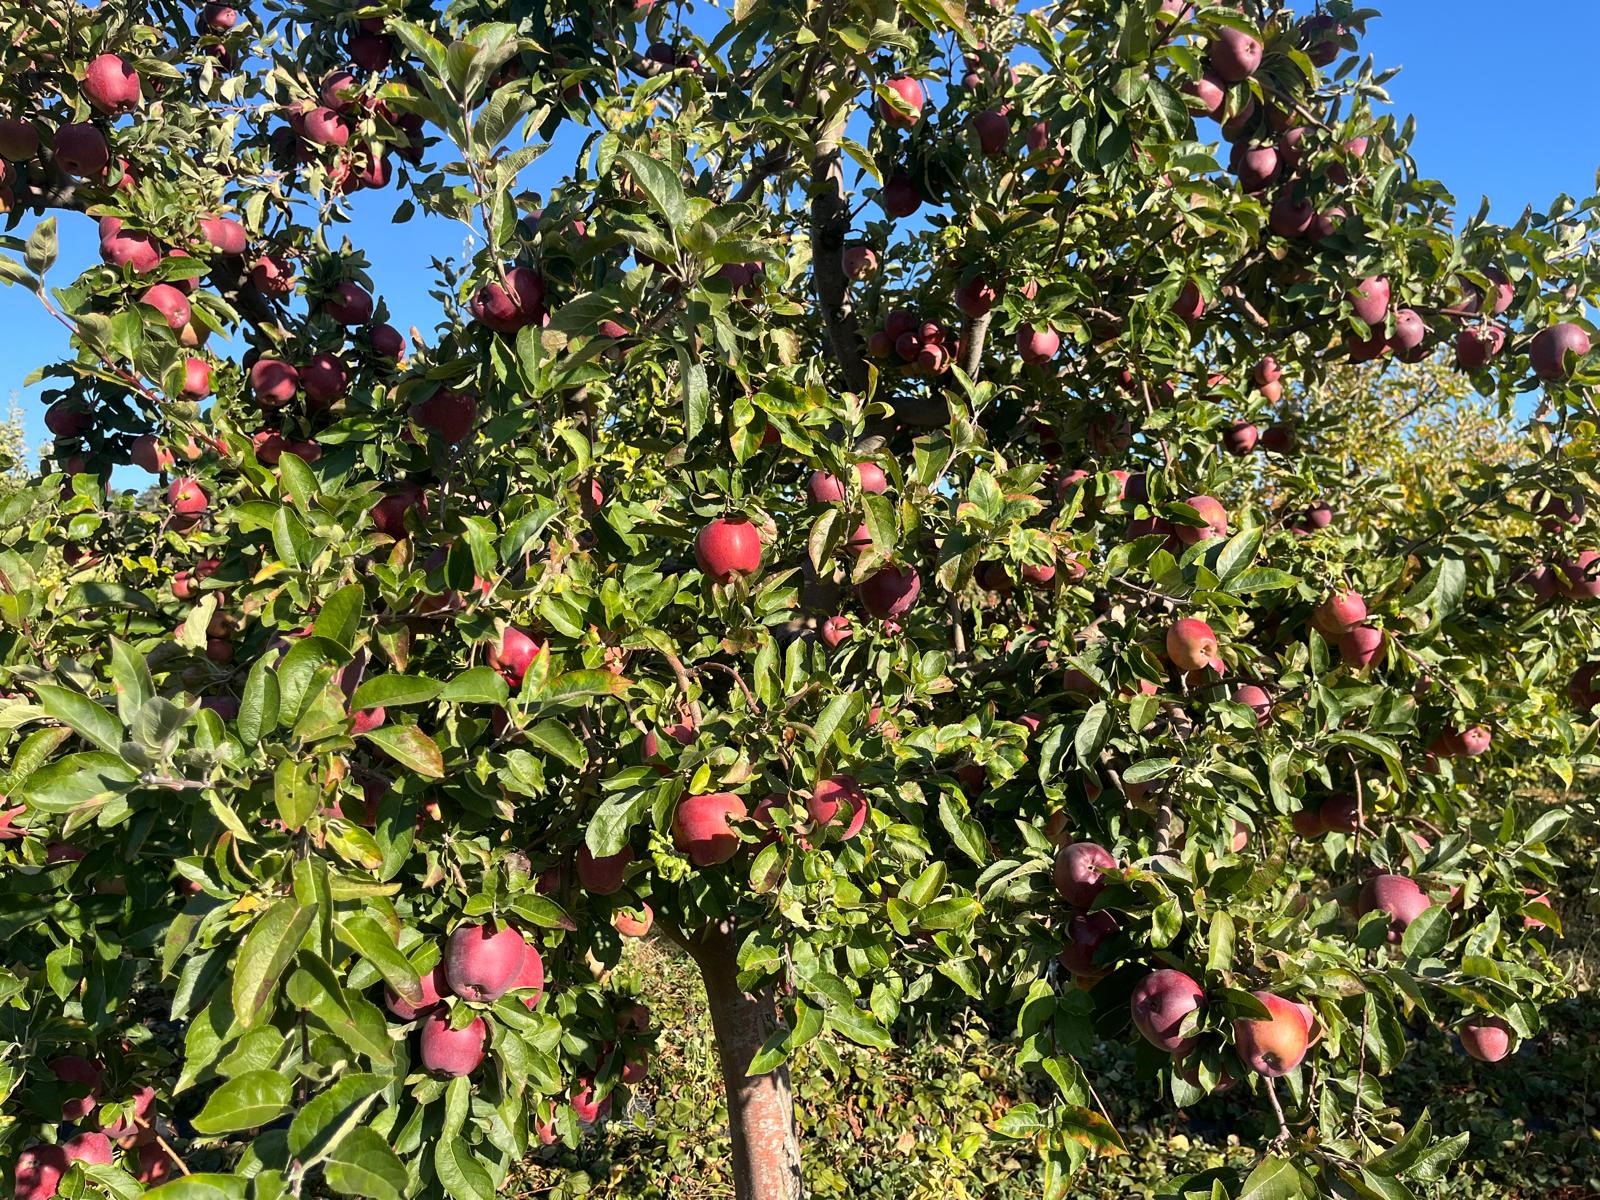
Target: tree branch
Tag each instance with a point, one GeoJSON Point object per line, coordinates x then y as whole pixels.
{"type": "Point", "coordinates": [830, 226]}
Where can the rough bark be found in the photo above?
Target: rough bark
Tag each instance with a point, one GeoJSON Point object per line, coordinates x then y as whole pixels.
{"type": "Point", "coordinates": [766, 1145]}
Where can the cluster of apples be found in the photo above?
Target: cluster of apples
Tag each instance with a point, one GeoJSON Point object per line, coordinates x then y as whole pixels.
{"type": "Point", "coordinates": [478, 963]}
{"type": "Point", "coordinates": [99, 1131]}
{"type": "Point", "coordinates": [924, 348]}
{"type": "Point", "coordinates": [346, 125]}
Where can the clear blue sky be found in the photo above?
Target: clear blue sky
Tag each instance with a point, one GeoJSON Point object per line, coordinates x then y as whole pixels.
{"type": "Point", "coordinates": [1503, 100]}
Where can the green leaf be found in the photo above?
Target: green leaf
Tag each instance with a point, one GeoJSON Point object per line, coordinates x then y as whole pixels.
{"type": "Point", "coordinates": [266, 953]}
{"type": "Point", "coordinates": [409, 747]}
{"type": "Point", "coordinates": [555, 738]}
{"type": "Point", "coordinates": [294, 793]}
{"type": "Point", "coordinates": [1274, 1179]}
{"type": "Point", "coordinates": [460, 1173]}
{"type": "Point", "coordinates": [480, 685]}
{"type": "Point", "coordinates": [1092, 732]}
{"type": "Point", "coordinates": [661, 186]}
{"type": "Point", "coordinates": [203, 1187]}
{"type": "Point", "coordinates": [130, 678]}
{"type": "Point", "coordinates": [258, 709]}
{"type": "Point", "coordinates": [370, 939]}
{"type": "Point", "coordinates": [247, 1101]}
{"type": "Point", "coordinates": [362, 1164]}
{"type": "Point", "coordinates": [1427, 934]}
{"type": "Point", "coordinates": [394, 691]}
{"type": "Point", "coordinates": [77, 781]}
{"type": "Point", "coordinates": [965, 832]}
{"type": "Point", "coordinates": [299, 484]}
{"type": "Point", "coordinates": [41, 250]}
{"type": "Point", "coordinates": [88, 720]}
{"type": "Point", "coordinates": [340, 618]}
{"type": "Point", "coordinates": [1238, 553]}
{"type": "Point", "coordinates": [329, 1117]}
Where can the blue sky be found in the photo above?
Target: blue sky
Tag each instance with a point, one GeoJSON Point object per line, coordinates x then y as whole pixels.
{"type": "Point", "coordinates": [1502, 105]}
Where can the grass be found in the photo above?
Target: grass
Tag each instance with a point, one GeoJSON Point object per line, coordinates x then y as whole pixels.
{"type": "Point", "coordinates": [913, 1124]}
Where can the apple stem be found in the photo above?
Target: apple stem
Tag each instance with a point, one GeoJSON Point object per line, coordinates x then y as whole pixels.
{"type": "Point", "coordinates": [1277, 1109]}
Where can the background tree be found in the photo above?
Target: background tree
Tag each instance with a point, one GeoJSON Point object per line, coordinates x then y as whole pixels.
{"type": "Point", "coordinates": [893, 613]}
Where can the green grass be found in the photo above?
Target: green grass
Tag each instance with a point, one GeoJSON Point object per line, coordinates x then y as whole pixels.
{"type": "Point", "coordinates": [914, 1124]}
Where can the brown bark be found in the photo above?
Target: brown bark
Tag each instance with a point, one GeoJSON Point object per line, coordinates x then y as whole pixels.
{"type": "Point", "coordinates": [830, 225]}
{"type": "Point", "coordinates": [766, 1145]}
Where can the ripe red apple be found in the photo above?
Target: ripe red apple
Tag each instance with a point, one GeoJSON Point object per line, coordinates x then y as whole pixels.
{"type": "Point", "coordinates": [977, 296]}
{"type": "Point", "coordinates": [324, 379]}
{"type": "Point", "coordinates": [1396, 895]}
{"type": "Point", "coordinates": [349, 304]}
{"type": "Point", "coordinates": [1214, 515]}
{"type": "Point", "coordinates": [38, 1172]}
{"type": "Point", "coordinates": [1256, 166]}
{"type": "Point", "coordinates": [899, 196]}
{"type": "Point", "coordinates": [1077, 872]}
{"type": "Point", "coordinates": [1192, 645]}
{"type": "Point", "coordinates": [1370, 300]}
{"type": "Point", "coordinates": [1550, 348]}
{"type": "Point", "coordinates": [482, 962]}
{"type": "Point", "coordinates": [147, 452]}
{"type": "Point", "coordinates": [225, 236]}
{"type": "Point", "coordinates": [273, 382]}
{"type": "Point", "coordinates": [728, 548]}
{"type": "Point", "coordinates": [387, 342]}
{"type": "Point", "coordinates": [65, 419]}
{"type": "Point", "coordinates": [1210, 91]}
{"type": "Point", "coordinates": [702, 827]}
{"type": "Point", "coordinates": [1409, 332]}
{"type": "Point", "coordinates": [196, 378]}
{"type": "Point", "coordinates": [120, 247]}
{"type": "Point", "coordinates": [839, 801]}
{"type": "Point", "coordinates": [993, 130]}
{"type": "Point", "coordinates": [909, 92]}
{"type": "Point", "coordinates": [187, 497]}
{"type": "Point", "coordinates": [508, 307]}
{"type": "Point", "coordinates": [1086, 933]}
{"type": "Point", "coordinates": [1274, 1045]}
{"type": "Point", "coordinates": [1037, 346]}
{"type": "Point", "coordinates": [1190, 305]}
{"type": "Point", "coordinates": [1578, 578]}
{"type": "Point", "coordinates": [1290, 217]}
{"type": "Point", "coordinates": [81, 150]}
{"type": "Point", "coordinates": [446, 1051]}
{"type": "Point", "coordinates": [514, 653]}
{"type": "Point", "coordinates": [88, 1147]}
{"type": "Point", "coordinates": [171, 303]}
{"type": "Point", "coordinates": [530, 978]}
{"type": "Point", "coordinates": [19, 141]}
{"type": "Point", "coordinates": [1478, 345]}
{"type": "Point", "coordinates": [75, 1069]}
{"type": "Point", "coordinates": [1240, 438]}
{"type": "Point", "coordinates": [325, 127]}
{"type": "Point", "coordinates": [858, 262]}
{"type": "Point", "coordinates": [1487, 1039]}
{"type": "Point", "coordinates": [836, 631]}
{"type": "Point", "coordinates": [110, 85]}
{"type": "Point", "coordinates": [603, 876]}
{"type": "Point", "coordinates": [1341, 612]}
{"type": "Point", "coordinates": [890, 593]}
{"type": "Point", "coordinates": [1361, 646]}
{"type": "Point", "coordinates": [273, 275]}
{"type": "Point", "coordinates": [451, 414]}
{"type": "Point", "coordinates": [633, 922]}
{"type": "Point", "coordinates": [1161, 1002]}
{"type": "Point", "coordinates": [389, 514]}
{"type": "Point", "coordinates": [1233, 55]}
{"type": "Point", "coordinates": [435, 986]}
{"type": "Point", "coordinates": [1308, 821]}
{"type": "Point", "coordinates": [1256, 699]}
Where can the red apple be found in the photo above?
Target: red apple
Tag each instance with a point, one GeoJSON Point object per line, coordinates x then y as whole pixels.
{"type": "Point", "coordinates": [1161, 1002]}
{"type": "Point", "coordinates": [1487, 1039]}
{"type": "Point", "coordinates": [702, 827]}
{"type": "Point", "coordinates": [603, 876]}
{"type": "Point", "coordinates": [435, 986]}
{"type": "Point", "coordinates": [187, 497]}
{"type": "Point", "coordinates": [728, 548]}
{"type": "Point", "coordinates": [111, 85]}
{"type": "Point", "coordinates": [453, 1052]}
{"type": "Point", "coordinates": [909, 92]}
{"type": "Point", "coordinates": [1551, 347]}
{"type": "Point", "coordinates": [1274, 1045]}
{"type": "Point", "coordinates": [482, 962]}
{"type": "Point", "coordinates": [1192, 645]}
{"type": "Point", "coordinates": [514, 653]}
{"type": "Point", "coordinates": [839, 801]}
{"type": "Point", "coordinates": [1395, 895]}
{"type": "Point", "coordinates": [891, 592]}
{"type": "Point", "coordinates": [1077, 872]}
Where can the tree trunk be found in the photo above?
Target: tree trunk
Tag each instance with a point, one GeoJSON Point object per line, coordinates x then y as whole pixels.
{"type": "Point", "coordinates": [766, 1145]}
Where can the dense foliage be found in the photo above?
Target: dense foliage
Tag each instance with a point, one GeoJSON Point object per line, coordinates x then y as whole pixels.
{"type": "Point", "coordinates": [868, 531]}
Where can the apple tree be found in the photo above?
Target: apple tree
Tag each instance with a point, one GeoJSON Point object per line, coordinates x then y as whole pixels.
{"type": "Point", "coordinates": [862, 519]}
